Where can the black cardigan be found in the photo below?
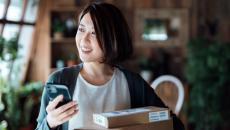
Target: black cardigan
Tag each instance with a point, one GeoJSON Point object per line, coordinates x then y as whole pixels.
{"type": "Point", "coordinates": [141, 94]}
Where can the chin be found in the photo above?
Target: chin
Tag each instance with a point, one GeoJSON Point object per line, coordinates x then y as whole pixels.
{"type": "Point", "coordinates": [90, 61]}
{"type": "Point", "coordinates": [87, 60]}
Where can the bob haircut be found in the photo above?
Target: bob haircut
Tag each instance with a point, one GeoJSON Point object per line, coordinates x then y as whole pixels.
{"type": "Point", "coordinates": [112, 31]}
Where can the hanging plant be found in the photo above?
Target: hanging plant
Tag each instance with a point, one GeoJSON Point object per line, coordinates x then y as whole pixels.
{"type": "Point", "coordinates": [208, 74]}
{"type": "Point", "coordinates": [11, 49]}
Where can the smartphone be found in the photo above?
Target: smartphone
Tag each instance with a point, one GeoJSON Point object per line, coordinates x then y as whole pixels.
{"type": "Point", "coordinates": [53, 90]}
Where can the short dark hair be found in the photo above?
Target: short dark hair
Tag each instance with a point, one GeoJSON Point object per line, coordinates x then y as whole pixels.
{"type": "Point", "coordinates": [112, 31]}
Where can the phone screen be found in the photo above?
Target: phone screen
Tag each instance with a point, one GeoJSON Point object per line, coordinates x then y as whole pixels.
{"type": "Point", "coordinates": [53, 90]}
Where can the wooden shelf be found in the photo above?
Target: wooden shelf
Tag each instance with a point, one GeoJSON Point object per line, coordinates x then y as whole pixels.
{"type": "Point", "coordinates": [64, 47]}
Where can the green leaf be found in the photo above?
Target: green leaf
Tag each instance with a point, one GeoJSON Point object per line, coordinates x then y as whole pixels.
{"type": "Point", "coordinates": [208, 73]}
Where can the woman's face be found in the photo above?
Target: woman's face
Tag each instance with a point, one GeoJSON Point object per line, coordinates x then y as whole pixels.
{"type": "Point", "coordinates": [86, 41]}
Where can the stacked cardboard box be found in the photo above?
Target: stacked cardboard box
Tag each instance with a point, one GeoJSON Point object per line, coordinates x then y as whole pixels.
{"type": "Point", "coordinates": [159, 125]}
{"type": "Point", "coordinates": [145, 118]}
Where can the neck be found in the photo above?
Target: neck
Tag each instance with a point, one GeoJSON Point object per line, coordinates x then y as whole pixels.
{"type": "Point", "coordinates": [96, 73]}
{"type": "Point", "coordinates": [97, 69]}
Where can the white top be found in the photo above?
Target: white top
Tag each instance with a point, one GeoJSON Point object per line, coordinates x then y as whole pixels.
{"type": "Point", "coordinates": [113, 95]}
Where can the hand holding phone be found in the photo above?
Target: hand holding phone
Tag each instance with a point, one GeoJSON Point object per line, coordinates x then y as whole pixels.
{"type": "Point", "coordinates": [60, 108]}
{"type": "Point", "coordinates": [53, 90]}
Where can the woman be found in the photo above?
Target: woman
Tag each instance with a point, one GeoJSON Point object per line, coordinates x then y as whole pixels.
{"type": "Point", "coordinates": [98, 84]}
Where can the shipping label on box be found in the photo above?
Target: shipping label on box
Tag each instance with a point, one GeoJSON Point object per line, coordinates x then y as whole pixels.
{"type": "Point", "coordinates": [158, 116]}
{"type": "Point", "coordinates": [131, 116]}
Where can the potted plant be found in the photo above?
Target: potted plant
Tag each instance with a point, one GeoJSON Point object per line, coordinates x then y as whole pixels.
{"type": "Point", "coordinates": [208, 75]}
{"type": "Point", "coordinates": [29, 95]}
{"type": "Point", "coordinates": [58, 29]}
{"type": "Point", "coordinates": [19, 103]}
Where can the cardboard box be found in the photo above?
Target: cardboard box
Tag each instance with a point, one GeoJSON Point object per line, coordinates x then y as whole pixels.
{"type": "Point", "coordinates": [159, 125]}
{"type": "Point", "coordinates": [131, 116]}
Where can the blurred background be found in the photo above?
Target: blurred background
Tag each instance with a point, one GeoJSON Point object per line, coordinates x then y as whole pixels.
{"type": "Point", "coordinates": [187, 39]}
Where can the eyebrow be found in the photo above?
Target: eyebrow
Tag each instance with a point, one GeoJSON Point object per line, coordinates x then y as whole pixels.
{"type": "Point", "coordinates": [81, 25]}
{"type": "Point", "coordinates": [84, 25]}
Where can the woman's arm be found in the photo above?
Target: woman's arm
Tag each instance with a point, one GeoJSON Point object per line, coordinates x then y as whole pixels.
{"type": "Point", "coordinates": [41, 120]}
{"type": "Point", "coordinates": [51, 116]}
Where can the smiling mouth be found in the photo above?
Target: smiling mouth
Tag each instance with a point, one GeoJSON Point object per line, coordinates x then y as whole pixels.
{"type": "Point", "coordinates": [85, 50]}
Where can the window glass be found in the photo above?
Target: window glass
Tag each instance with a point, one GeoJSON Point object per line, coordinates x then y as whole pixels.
{"type": "Point", "coordinates": [31, 11]}
{"type": "Point", "coordinates": [4, 69]}
{"type": "Point", "coordinates": [10, 31]}
{"type": "Point", "coordinates": [14, 12]}
{"type": "Point", "coordinates": [24, 42]}
{"type": "Point", "coordinates": [2, 8]}
{"type": "Point", "coordinates": [0, 27]}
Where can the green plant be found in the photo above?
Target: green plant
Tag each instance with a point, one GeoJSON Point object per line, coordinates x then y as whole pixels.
{"type": "Point", "coordinates": [3, 85]}
{"type": "Point", "coordinates": [58, 26]}
{"type": "Point", "coordinates": [208, 74]}
{"type": "Point", "coordinates": [3, 125]}
{"type": "Point", "coordinates": [19, 104]}
{"type": "Point", "coordinates": [9, 48]}
{"type": "Point", "coordinates": [16, 101]}
{"type": "Point", "coordinates": [31, 93]}
{"type": "Point", "coordinates": [9, 52]}
{"type": "Point", "coordinates": [2, 43]}
{"type": "Point", "coordinates": [4, 88]}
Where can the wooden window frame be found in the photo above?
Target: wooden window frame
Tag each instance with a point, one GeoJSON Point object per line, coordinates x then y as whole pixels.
{"type": "Point", "coordinates": [21, 22]}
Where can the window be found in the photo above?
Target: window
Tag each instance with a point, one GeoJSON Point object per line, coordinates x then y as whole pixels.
{"type": "Point", "coordinates": [17, 20]}
{"type": "Point", "coordinates": [14, 11]}
{"type": "Point", "coordinates": [0, 27]}
{"type": "Point", "coordinates": [31, 11]}
{"type": "Point", "coordinates": [10, 31]}
{"type": "Point", "coordinates": [2, 7]}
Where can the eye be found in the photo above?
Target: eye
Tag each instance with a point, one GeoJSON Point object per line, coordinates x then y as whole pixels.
{"type": "Point", "coordinates": [93, 33]}
{"type": "Point", "coordinates": [81, 30]}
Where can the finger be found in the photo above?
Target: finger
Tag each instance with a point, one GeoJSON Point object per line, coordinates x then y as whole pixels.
{"type": "Point", "coordinates": [65, 107]}
{"type": "Point", "coordinates": [67, 112]}
{"type": "Point", "coordinates": [54, 103]}
{"type": "Point", "coordinates": [66, 118]}
{"type": "Point", "coordinates": [55, 120]}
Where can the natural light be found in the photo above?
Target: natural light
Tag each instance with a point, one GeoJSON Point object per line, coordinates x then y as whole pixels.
{"type": "Point", "coordinates": [25, 36]}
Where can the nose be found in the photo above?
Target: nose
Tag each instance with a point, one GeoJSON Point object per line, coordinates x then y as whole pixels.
{"type": "Point", "coordinates": [85, 38]}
